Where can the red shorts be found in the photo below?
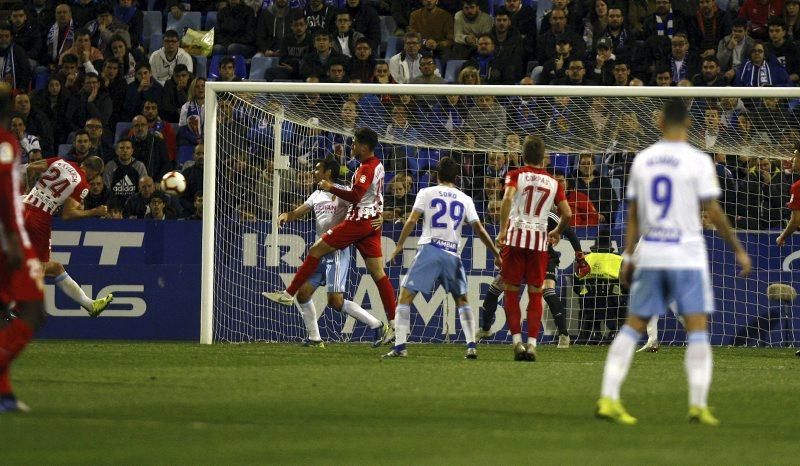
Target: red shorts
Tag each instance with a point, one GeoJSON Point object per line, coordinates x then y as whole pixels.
{"type": "Point", "coordinates": [359, 232]}
{"type": "Point", "coordinates": [39, 226]}
{"type": "Point", "coordinates": [23, 284]}
{"type": "Point", "coordinates": [523, 266]}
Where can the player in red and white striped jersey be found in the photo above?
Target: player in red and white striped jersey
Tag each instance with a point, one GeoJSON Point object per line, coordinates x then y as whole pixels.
{"type": "Point", "coordinates": [61, 183]}
{"type": "Point", "coordinates": [21, 278]}
{"type": "Point", "coordinates": [366, 198]}
{"type": "Point", "coordinates": [530, 194]}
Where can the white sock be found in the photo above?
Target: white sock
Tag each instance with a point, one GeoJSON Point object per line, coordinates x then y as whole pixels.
{"type": "Point", "coordinates": [468, 323]}
{"type": "Point", "coordinates": [516, 338]}
{"type": "Point", "coordinates": [309, 312]}
{"type": "Point", "coordinates": [532, 341]}
{"type": "Point", "coordinates": [402, 325]}
{"type": "Point", "coordinates": [358, 313]}
{"type": "Point", "coordinates": [698, 364]}
{"type": "Point", "coordinates": [391, 322]}
{"type": "Point", "coordinates": [73, 290]}
{"type": "Point", "coordinates": [618, 361]}
{"type": "Point", "coordinates": [652, 330]}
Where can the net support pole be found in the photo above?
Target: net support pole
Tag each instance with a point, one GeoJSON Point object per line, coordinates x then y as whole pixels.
{"type": "Point", "coordinates": [209, 209]}
{"type": "Point", "coordinates": [279, 163]}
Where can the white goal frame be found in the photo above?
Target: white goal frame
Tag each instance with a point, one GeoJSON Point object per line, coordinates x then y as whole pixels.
{"type": "Point", "coordinates": [212, 90]}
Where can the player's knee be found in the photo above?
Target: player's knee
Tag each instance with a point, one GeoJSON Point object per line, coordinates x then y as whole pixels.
{"type": "Point", "coordinates": [53, 269]}
{"type": "Point", "coordinates": [637, 323]}
{"type": "Point", "coordinates": [695, 322]}
{"type": "Point", "coordinates": [534, 289]}
{"type": "Point", "coordinates": [303, 296]}
{"type": "Point", "coordinates": [336, 301]}
{"type": "Point", "coordinates": [549, 284]}
{"type": "Point", "coordinates": [461, 300]}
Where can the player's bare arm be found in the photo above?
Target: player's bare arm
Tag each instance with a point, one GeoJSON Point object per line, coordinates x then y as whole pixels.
{"type": "Point", "coordinates": [718, 218]}
{"type": "Point", "coordinates": [505, 212]}
{"type": "Point", "coordinates": [299, 212]}
{"type": "Point", "coordinates": [791, 227]}
{"type": "Point", "coordinates": [407, 228]}
{"type": "Point", "coordinates": [74, 210]}
{"type": "Point", "coordinates": [36, 168]}
{"type": "Point", "coordinates": [487, 240]}
{"type": "Point", "coordinates": [631, 238]}
{"type": "Point", "coordinates": [565, 212]}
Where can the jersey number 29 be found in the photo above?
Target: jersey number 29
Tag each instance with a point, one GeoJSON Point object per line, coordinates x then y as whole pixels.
{"type": "Point", "coordinates": [456, 213]}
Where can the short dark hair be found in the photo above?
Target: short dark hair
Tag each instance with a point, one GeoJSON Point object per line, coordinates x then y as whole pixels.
{"type": "Point", "coordinates": [739, 23]}
{"type": "Point", "coordinates": [70, 58]}
{"type": "Point", "coordinates": [367, 137]}
{"type": "Point", "coordinates": [18, 6]}
{"type": "Point", "coordinates": [447, 170]}
{"type": "Point", "coordinates": [82, 32]}
{"type": "Point", "coordinates": [321, 32]}
{"type": "Point", "coordinates": [362, 40]}
{"type": "Point", "coordinates": [91, 74]}
{"type": "Point", "coordinates": [481, 36]}
{"type": "Point", "coordinates": [711, 58]}
{"type": "Point", "coordinates": [297, 15]}
{"type": "Point", "coordinates": [7, 27]}
{"type": "Point", "coordinates": [81, 132]}
{"type": "Point", "coordinates": [777, 21]}
{"type": "Point", "coordinates": [151, 101]}
{"type": "Point", "coordinates": [171, 33]}
{"type": "Point", "coordinates": [143, 64]}
{"type": "Point", "coordinates": [94, 162]}
{"type": "Point", "coordinates": [330, 163]}
{"type": "Point", "coordinates": [674, 112]}
{"type": "Point", "coordinates": [533, 150]}
{"type": "Point", "coordinates": [502, 11]}
{"type": "Point", "coordinates": [662, 68]}
{"type": "Point", "coordinates": [227, 59]}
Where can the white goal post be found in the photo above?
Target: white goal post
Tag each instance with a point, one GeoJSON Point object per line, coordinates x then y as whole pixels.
{"type": "Point", "coordinates": [242, 253]}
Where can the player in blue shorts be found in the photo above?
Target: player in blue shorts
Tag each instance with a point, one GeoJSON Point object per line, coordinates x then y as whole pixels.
{"type": "Point", "coordinates": [670, 182]}
{"type": "Point", "coordinates": [332, 271]}
{"type": "Point", "coordinates": [444, 209]}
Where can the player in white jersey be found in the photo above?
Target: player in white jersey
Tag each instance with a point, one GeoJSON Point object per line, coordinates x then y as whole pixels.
{"type": "Point", "coordinates": [445, 209]}
{"type": "Point", "coordinates": [61, 185]}
{"type": "Point", "coordinates": [669, 183]}
{"type": "Point", "coordinates": [329, 211]}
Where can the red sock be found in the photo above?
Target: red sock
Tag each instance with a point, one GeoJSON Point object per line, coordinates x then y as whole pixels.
{"type": "Point", "coordinates": [386, 290]}
{"type": "Point", "coordinates": [13, 339]}
{"type": "Point", "coordinates": [534, 314]}
{"type": "Point", "coordinates": [513, 314]}
{"type": "Point", "coordinates": [303, 273]}
{"type": "Point", "coordinates": [5, 382]}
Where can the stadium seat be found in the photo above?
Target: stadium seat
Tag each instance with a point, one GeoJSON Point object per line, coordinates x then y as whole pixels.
{"type": "Point", "coordinates": [152, 23]}
{"type": "Point", "coordinates": [190, 19]}
{"type": "Point", "coordinates": [211, 20]}
{"type": "Point", "coordinates": [451, 72]}
{"type": "Point", "coordinates": [123, 127]}
{"type": "Point", "coordinates": [428, 159]}
{"type": "Point", "coordinates": [42, 76]}
{"type": "Point", "coordinates": [424, 181]}
{"type": "Point", "coordinates": [240, 65]}
{"type": "Point", "coordinates": [63, 149]}
{"type": "Point", "coordinates": [388, 25]}
{"type": "Point", "coordinates": [393, 46]}
{"type": "Point", "coordinates": [200, 66]}
{"type": "Point", "coordinates": [156, 42]}
{"type": "Point", "coordinates": [258, 65]}
{"type": "Point", "coordinates": [536, 74]}
{"type": "Point", "coordinates": [561, 163]}
{"type": "Point", "coordinates": [185, 153]}
{"type": "Point", "coordinates": [616, 185]}
{"type": "Point", "coordinates": [151, 5]}
{"type": "Point", "coordinates": [531, 65]}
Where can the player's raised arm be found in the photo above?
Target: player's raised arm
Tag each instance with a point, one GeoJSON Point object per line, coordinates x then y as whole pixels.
{"type": "Point", "coordinates": [298, 212]}
{"type": "Point", "coordinates": [718, 218]}
{"type": "Point", "coordinates": [407, 228]}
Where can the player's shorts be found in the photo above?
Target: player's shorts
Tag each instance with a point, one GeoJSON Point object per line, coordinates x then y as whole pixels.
{"type": "Point", "coordinates": [21, 285]}
{"type": "Point", "coordinates": [332, 271]}
{"type": "Point", "coordinates": [432, 264]}
{"type": "Point", "coordinates": [39, 226]}
{"type": "Point", "coordinates": [359, 232]}
{"type": "Point", "coordinates": [523, 266]}
{"type": "Point", "coordinates": [552, 265]}
{"type": "Point", "coordinates": [654, 289]}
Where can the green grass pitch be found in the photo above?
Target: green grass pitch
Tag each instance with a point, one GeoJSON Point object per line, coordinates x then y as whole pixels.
{"type": "Point", "coordinates": [181, 403]}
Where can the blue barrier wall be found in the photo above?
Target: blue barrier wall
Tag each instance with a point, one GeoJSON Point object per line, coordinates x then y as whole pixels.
{"type": "Point", "coordinates": [154, 270]}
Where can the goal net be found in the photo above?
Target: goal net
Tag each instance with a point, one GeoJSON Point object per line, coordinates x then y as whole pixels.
{"type": "Point", "coordinates": [262, 141]}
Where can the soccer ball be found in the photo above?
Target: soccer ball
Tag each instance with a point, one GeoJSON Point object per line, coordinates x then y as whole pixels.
{"type": "Point", "coordinates": [173, 183]}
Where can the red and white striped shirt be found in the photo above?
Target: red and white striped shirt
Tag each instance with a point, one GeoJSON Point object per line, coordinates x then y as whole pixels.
{"type": "Point", "coordinates": [536, 192]}
{"type": "Point", "coordinates": [62, 179]}
{"type": "Point", "coordinates": [12, 219]}
{"type": "Point", "coordinates": [366, 192]}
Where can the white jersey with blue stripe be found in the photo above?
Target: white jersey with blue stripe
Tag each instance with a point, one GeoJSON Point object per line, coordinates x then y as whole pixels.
{"type": "Point", "coordinates": [444, 210]}
{"type": "Point", "coordinates": [669, 181]}
{"type": "Point", "coordinates": [329, 210]}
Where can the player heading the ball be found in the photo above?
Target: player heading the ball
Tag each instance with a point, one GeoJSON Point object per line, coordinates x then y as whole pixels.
{"type": "Point", "coordinates": [444, 208]}
{"type": "Point", "coordinates": [670, 182]}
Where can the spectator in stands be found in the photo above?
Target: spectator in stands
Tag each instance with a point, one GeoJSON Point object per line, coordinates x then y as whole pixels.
{"type": "Point", "coordinates": [227, 70]}
{"type": "Point", "coordinates": [397, 205]}
{"type": "Point", "coordinates": [487, 120]}
{"type": "Point", "coordinates": [336, 73]}
{"type": "Point", "coordinates": [523, 17]}
{"type": "Point", "coordinates": [757, 13]}
{"type": "Point", "coordinates": [41, 14]}
{"type": "Point", "coordinates": [497, 167]}
{"type": "Point", "coordinates": [320, 16]}
{"type": "Point", "coordinates": [556, 67]}
{"type": "Point", "coordinates": [27, 142]}
{"type": "Point", "coordinates": [620, 39]}
{"type": "Point", "coordinates": [576, 74]}
{"type": "Point", "coordinates": [15, 67]}
{"type": "Point", "coordinates": [604, 61]}
{"type": "Point", "coordinates": [99, 139]}
{"type": "Point", "coordinates": [159, 208]}
{"type": "Point", "coordinates": [622, 73]}
{"type": "Point", "coordinates": [713, 131]}
{"type": "Point", "coordinates": [401, 14]}
{"type": "Point", "coordinates": [584, 213]}
{"type": "Point", "coordinates": [574, 14]}
{"type": "Point", "coordinates": [382, 74]}
{"type": "Point", "coordinates": [82, 48]}
{"type": "Point", "coordinates": [98, 193]}
{"type": "Point", "coordinates": [91, 102]}
{"type": "Point", "coordinates": [664, 22]}
{"type": "Point", "coordinates": [26, 34]}
{"type": "Point", "coordinates": [122, 174]}
{"type": "Point", "coordinates": [81, 148]}
{"type": "Point", "coordinates": [120, 50]}
{"type": "Point", "coordinates": [734, 48]}
{"type": "Point", "coordinates": [51, 105]}
{"type": "Point", "coordinates": [365, 20]}
{"type": "Point", "coordinates": [145, 87]}
{"type": "Point", "coordinates": [405, 65]}
{"type": "Point", "coordinates": [117, 88]}
{"type": "Point", "coordinates": [436, 26]}
{"type": "Point", "coordinates": [362, 65]}
{"type": "Point", "coordinates": [710, 26]}
{"type": "Point", "coordinates": [683, 65]}
{"type": "Point", "coordinates": [84, 11]}
{"type": "Point", "coordinates": [129, 14]}
{"type": "Point", "coordinates": [429, 73]}
{"type": "Point", "coordinates": [710, 74]}
{"type": "Point", "coordinates": [596, 187]}
{"type": "Point", "coordinates": [176, 93]}
{"type": "Point", "coordinates": [191, 133]}
{"type": "Point", "coordinates": [149, 148]}
{"type": "Point", "coordinates": [177, 18]}
{"type": "Point", "coordinates": [400, 126]}
{"type": "Point", "coordinates": [492, 68]}
{"type": "Point", "coordinates": [292, 49]}
{"type": "Point", "coordinates": [274, 26]}
{"type": "Point", "coordinates": [596, 23]}
{"type": "Point", "coordinates": [160, 128]}
{"type": "Point", "coordinates": [70, 74]}
{"type": "Point", "coordinates": [546, 42]}
{"type": "Point", "coordinates": [194, 178]}
{"type": "Point", "coordinates": [105, 27]}
{"type": "Point", "coordinates": [164, 60]}
{"type": "Point", "coordinates": [469, 23]}
{"type": "Point", "coordinates": [791, 14]}
{"type": "Point", "coordinates": [509, 43]}
{"type": "Point", "coordinates": [138, 205]}
{"type": "Point", "coordinates": [345, 38]}
{"type": "Point", "coordinates": [759, 72]}
{"type": "Point", "coordinates": [35, 122]}
{"type": "Point", "coordinates": [448, 116]}
{"type": "Point", "coordinates": [785, 51]}
{"type": "Point", "coordinates": [662, 76]}
{"type": "Point", "coordinates": [60, 36]}
{"type": "Point", "coordinates": [315, 62]}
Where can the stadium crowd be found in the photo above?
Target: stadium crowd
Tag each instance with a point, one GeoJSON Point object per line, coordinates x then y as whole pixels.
{"type": "Point", "coordinates": [110, 78]}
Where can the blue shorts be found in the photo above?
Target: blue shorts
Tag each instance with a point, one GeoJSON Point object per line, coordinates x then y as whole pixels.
{"type": "Point", "coordinates": [432, 264]}
{"type": "Point", "coordinates": [654, 289]}
{"type": "Point", "coordinates": [332, 271]}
